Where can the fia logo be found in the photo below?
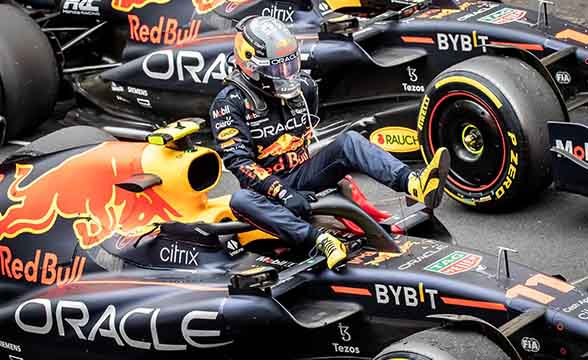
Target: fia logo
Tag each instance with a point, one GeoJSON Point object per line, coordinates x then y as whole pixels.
{"type": "Point", "coordinates": [530, 344]}
{"type": "Point", "coordinates": [412, 74]}
{"type": "Point", "coordinates": [344, 332]}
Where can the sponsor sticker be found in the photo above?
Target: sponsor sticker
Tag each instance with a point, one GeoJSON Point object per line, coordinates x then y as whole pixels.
{"type": "Point", "coordinates": [461, 42]}
{"type": "Point", "coordinates": [138, 328]}
{"type": "Point", "coordinates": [575, 306]}
{"type": "Point", "coordinates": [455, 263]}
{"type": "Point", "coordinates": [81, 7]}
{"type": "Point", "coordinates": [116, 88]}
{"type": "Point", "coordinates": [276, 262]}
{"type": "Point", "coordinates": [42, 269]}
{"type": "Point", "coordinates": [227, 133]}
{"type": "Point", "coordinates": [222, 111]}
{"type": "Point", "coordinates": [167, 31]}
{"type": "Point", "coordinates": [223, 124]}
{"type": "Point", "coordinates": [504, 16]}
{"type": "Point", "coordinates": [10, 346]}
{"type": "Point", "coordinates": [234, 247]}
{"type": "Point", "coordinates": [430, 250]}
{"type": "Point", "coordinates": [176, 255]}
{"type": "Point", "coordinates": [226, 144]}
{"type": "Point", "coordinates": [580, 152]}
{"type": "Point", "coordinates": [281, 12]}
{"type": "Point", "coordinates": [137, 91]}
{"type": "Point", "coordinates": [396, 139]}
{"type": "Point", "coordinates": [406, 296]}
{"type": "Point", "coordinates": [183, 65]}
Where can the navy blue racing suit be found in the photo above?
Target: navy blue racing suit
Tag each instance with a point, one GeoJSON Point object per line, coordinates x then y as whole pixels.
{"type": "Point", "coordinates": [268, 153]}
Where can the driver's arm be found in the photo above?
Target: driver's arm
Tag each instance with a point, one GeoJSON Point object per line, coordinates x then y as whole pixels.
{"type": "Point", "coordinates": [234, 144]}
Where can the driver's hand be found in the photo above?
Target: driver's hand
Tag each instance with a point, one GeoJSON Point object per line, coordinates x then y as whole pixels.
{"type": "Point", "coordinates": [296, 202]}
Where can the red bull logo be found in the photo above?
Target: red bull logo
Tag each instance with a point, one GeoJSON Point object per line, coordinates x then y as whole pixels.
{"type": "Point", "coordinates": [43, 269]}
{"type": "Point", "coordinates": [167, 31]}
{"type": "Point", "coordinates": [129, 5]}
{"type": "Point", "coordinates": [285, 143]}
{"type": "Point", "coordinates": [82, 188]}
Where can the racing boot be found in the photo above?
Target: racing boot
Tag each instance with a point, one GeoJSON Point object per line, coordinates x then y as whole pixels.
{"type": "Point", "coordinates": [426, 186]}
{"type": "Point", "coordinates": [333, 249]}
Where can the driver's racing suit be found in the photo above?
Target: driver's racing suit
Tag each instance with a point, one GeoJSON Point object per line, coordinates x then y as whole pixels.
{"type": "Point", "coordinates": [268, 153]}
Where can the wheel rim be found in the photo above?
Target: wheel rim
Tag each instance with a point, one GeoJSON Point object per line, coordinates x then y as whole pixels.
{"type": "Point", "coordinates": [470, 129]}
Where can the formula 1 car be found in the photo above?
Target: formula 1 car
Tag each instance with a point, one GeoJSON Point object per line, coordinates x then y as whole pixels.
{"type": "Point", "coordinates": [478, 77]}
{"type": "Point", "coordinates": [113, 250]}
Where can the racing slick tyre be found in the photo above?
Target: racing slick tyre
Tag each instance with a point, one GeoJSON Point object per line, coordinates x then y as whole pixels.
{"type": "Point", "coordinates": [491, 113]}
{"type": "Point", "coordinates": [443, 344]}
{"type": "Point", "coordinates": [28, 72]}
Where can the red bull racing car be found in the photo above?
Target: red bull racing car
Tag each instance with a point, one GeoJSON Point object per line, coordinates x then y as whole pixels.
{"type": "Point", "coordinates": [113, 250]}
{"type": "Point", "coordinates": [478, 77]}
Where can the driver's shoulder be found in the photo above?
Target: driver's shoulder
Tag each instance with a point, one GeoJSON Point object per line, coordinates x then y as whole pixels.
{"type": "Point", "coordinates": [230, 94]}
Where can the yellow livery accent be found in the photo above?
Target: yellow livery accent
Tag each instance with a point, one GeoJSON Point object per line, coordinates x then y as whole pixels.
{"type": "Point", "coordinates": [173, 132]}
{"type": "Point", "coordinates": [340, 4]}
{"type": "Point", "coordinates": [473, 83]}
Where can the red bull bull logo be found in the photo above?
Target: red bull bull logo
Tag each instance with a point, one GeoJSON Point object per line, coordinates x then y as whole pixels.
{"type": "Point", "coordinates": [43, 269]}
{"type": "Point", "coordinates": [129, 5]}
{"type": "Point", "coordinates": [82, 188]}
{"type": "Point", "coordinates": [285, 143]}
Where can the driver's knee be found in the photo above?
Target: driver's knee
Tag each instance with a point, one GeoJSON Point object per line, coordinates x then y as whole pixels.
{"type": "Point", "coordinates": [352, 138]}
{"type": "Point", "coordinates": [348, 139]}
{"type": "Point", "coordinates": [241, 201]}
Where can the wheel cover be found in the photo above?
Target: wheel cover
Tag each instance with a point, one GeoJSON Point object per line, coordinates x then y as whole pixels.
{"type": "Point", "coordinates": [470, 129]}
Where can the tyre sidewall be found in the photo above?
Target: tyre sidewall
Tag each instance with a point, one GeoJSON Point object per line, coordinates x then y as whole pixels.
{"type": "Point", "coordinates": [511, 178]}
{"type": "Point", "coordinates": [28, 71]}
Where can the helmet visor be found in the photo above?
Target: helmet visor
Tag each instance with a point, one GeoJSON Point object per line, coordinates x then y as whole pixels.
{"type": "Point", "coordinates": [283, 68]}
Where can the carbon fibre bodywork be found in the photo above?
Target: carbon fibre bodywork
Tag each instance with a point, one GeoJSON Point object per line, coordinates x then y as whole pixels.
{"type": "Point", "coordinates": [96, 273]}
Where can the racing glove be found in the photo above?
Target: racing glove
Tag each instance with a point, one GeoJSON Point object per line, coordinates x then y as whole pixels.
{"type": "Point", "coordinates": [295, 201]}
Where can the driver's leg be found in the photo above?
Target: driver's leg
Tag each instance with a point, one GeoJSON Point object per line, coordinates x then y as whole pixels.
{"type": "Point", "coordinates": [351, 152]}
{"type": "Point", "coordinates": [273, 218]}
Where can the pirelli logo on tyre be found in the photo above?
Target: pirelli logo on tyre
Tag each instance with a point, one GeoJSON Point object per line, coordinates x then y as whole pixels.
{"type": "Point", "coordinates": [423, 112]}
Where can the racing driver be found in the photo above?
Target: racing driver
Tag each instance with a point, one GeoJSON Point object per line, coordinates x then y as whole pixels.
{"type": "Point", "coordinates": [262, 124]}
